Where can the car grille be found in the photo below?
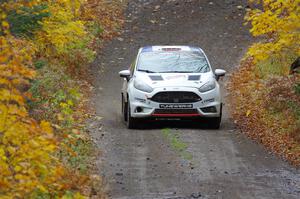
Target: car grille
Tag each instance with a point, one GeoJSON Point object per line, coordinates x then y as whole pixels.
{"type": "Point", "coordinates": [175, 111]}
{"type": "Point", "coordinates": [176, 97]}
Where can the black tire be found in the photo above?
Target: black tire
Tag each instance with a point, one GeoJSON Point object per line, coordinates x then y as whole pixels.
{"type": "Point", "coordinates": [215, 123]}
{"type": "Point", "coordinates": [124, 109]}
{"type": "Point", "coordinates": [131, 122]}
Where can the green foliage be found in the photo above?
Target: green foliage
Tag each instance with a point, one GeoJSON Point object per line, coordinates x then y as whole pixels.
{"type": "Point", "coordinates": [38, 194]}
{"type": "Point", "coordinates": [26, 20]}
{"type": "Point", "coordinates": [297, 88]}
{"type": "Point", "coordinates": [273, 66]}
{"type": "Point", "coordinates": [40, 64]}
{"type": "Point", "coordinates": [295, 108]}
{"type": "Point", "coordinates": [78, 54]}
{"type": "Point", "coordinates": [56, 95]}
{"type": "Point", "coordinates": [83, 149]}
{"type": "Point", "coordinates": [95, 28]}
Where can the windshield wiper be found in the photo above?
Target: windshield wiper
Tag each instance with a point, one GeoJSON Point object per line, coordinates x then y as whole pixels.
{"type": "Point", "coordinates": [146, 71]}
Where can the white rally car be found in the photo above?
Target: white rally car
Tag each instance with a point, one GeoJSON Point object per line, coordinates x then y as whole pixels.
{"type": "Point", "coordinates": [171, 82]}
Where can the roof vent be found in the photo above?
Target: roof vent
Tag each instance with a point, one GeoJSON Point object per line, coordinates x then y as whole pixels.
{"type": "Point", "coordinates": [156, 77]}
{"type": "Point", "coordinates": [194, 77]}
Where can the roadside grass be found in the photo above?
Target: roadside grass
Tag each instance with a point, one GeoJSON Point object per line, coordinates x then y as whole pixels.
{"type": "Point", "coordinates": [297, 88]}
{"type": "Point", "coordinates": [62, 100]}
{"type": "Point", "coordinates": [177, 144]}
{"type": "Point", "coordinates": [266, 106]}
{"type": "Point", "coordinates": [83, 149]}
{"type": "Point", "coordinates": [273, 66]}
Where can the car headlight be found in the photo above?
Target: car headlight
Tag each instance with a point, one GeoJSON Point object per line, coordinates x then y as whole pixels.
{"type": "Point", "coordinates": [207, 86]}
{"type": "Point", "coordinates": [142, 86]}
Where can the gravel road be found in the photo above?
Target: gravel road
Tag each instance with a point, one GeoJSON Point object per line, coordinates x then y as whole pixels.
{"type": "Point", "coordinates": [179, 160]}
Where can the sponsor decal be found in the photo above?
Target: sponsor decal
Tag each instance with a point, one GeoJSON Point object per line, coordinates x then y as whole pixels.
{"type": "Point", "coordinates": [175, 106]}
{"type": "Point", "coordinates": [171, 49]}
{"type": "Point", "coordinates": [208, 100]}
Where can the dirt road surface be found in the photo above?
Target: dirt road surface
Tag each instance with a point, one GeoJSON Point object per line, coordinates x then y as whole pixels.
{"type": "Point", "coordinates": [180, 160]}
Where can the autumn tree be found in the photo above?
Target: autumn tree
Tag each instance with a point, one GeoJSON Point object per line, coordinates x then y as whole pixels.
{"type": "Point", "coordinates": [26, 146]}
{"type": "Point", "coordinates": [278, 22]}
{"type": "Point", "coordinates": [40, 41]}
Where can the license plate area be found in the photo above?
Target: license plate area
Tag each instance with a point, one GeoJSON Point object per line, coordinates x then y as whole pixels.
{"type": "Point", "coordinates": [176, 106]}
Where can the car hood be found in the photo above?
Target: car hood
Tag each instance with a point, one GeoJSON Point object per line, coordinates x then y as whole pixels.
{"type": "Point", "coordinates": [156, 80]}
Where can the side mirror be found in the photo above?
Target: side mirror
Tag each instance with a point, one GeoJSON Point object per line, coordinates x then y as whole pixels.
{"type": "Point", "coordinates": [125, 74]}
{"type": "Point", "coordinates": [219, 73]}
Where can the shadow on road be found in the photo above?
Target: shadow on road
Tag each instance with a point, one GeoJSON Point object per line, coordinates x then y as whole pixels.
{"type": "Point", "coordinates": [152, 124]}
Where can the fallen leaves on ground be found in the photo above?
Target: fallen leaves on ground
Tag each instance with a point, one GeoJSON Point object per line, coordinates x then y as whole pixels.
{"type": "Point", "coordinates": [268, 110]}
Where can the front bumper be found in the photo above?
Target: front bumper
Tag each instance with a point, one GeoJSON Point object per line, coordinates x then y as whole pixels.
{"type": "Point", "coordinates": [142, 106]}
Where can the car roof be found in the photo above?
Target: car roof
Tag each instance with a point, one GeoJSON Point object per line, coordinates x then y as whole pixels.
{"type": "Point", "coordinates": [170, 48]}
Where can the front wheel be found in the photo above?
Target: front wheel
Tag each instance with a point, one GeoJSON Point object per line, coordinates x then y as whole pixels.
{"type": "Point", "coordinates": [131, 122]}
{"type": "Point", "coordinates": [215, 122]}
{"type": "Point", "coordinates": [124, 109]}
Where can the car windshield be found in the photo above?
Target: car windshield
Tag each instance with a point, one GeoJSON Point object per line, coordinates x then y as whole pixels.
{"type": "Point", "coordinates": [173, 62]}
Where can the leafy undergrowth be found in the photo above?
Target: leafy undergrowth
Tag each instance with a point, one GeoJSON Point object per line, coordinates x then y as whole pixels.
{"type": "Point", "coordinates": [265, 98]}
{"type": "Point", "coordinates": [61, 93]}
{"type": "Point", "coordinates": [267, 108]}
{"type": "Point", "coordinates": [63, 100]}
{"type": "Point", "coordinates": [45, 49]}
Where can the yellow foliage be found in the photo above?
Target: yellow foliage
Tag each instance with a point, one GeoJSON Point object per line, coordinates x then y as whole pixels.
{"type": "Point", "coordinates": [26, 147]}
{"type": "Point", "coordinates": [29, 149]}
{"type": "Point", "coordinates": [62, 29]}
{"type": "Point", "coordinates": [279, 22]}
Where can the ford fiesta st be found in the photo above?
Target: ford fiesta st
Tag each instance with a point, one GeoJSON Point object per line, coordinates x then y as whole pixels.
{"type": "Point", "coordinates": [171, 82]}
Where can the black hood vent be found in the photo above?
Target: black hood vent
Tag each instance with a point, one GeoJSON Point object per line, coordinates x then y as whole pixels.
{"type": "Point", "coordinates": [194, 77]}
{"type": "Point", "coordinates": [156, 78]}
